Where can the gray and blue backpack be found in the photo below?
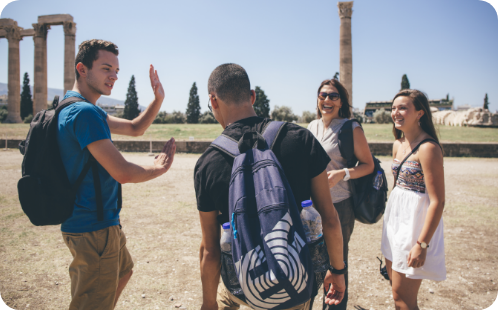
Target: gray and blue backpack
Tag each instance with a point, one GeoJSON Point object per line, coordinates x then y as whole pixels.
{"type": "Point", "coordinates": [271, 257]}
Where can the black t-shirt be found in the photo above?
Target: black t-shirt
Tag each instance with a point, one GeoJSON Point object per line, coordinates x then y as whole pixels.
{"type": "Point", "coordinates": [300, 154]}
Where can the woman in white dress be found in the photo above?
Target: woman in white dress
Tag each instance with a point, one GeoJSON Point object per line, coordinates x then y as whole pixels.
{"type": "Point", "coordinates": [412, 236]}
{"type": "Point", "coordinates": [333, 110]}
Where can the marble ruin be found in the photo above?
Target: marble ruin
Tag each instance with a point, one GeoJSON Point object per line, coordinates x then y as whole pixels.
{"type": "Point", "coordinates": [13, 33]}
{"type": "Point", "coordinates": [477, 117]}
{"type": "Point", "coordinates": [346, 48]}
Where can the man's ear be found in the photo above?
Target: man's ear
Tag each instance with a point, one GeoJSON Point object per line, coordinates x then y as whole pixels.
{"type": "Point", "coordinates": [214, 102]}
{"type": "Point", "coordinates": [253, 96]}
{"type": "Point", "coordinates": [82, 69]}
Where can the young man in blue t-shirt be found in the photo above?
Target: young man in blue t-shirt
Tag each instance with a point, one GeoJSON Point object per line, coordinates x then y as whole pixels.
{"type": "Point", "coordinates": [101, 265]}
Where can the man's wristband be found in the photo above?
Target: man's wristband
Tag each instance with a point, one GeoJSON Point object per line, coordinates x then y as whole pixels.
{"type": "Point", "coordinates": [339, 271]}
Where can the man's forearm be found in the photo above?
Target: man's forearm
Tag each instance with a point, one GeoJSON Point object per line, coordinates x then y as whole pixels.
{"type": "Point", "coordinates": [333, 238]}
{"type": "Point", "coordinates": [133, 173]}
{"type": "Point", "coordinates": [145, 119]}
{"type": "Point", "coordinates": [210, 274]}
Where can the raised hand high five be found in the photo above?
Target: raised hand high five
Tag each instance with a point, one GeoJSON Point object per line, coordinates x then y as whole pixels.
{"type": "Point", "coordinates": [157, 87]}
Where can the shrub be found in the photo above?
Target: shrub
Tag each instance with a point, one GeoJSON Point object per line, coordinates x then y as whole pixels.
{"type": "Point", "coordinates": [207, 118]}
{"type": "Point", "coordinates": [283, 113]}
{"type": "Point", "coordinates": [3, 113]}
{"type": "Point", "coordinates": [359, 117]}
{"type": "Point", "coordinates": [382, 117]}
{"type": "Point", "coordinates": [28, 119]}
{"type": "Point", "coordinates": [160, 118]}
{"type": "Point", "coordinates": [307, 117]}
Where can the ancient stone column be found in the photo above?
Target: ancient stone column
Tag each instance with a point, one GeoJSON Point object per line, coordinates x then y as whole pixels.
{"type": "Point", "coordinates": [40, 80]}
{"type": "Point", "coordinates": [13, 34]}
{"type": "Point", "coordinates": [346, 49]}
{"type": "Point", "coordinates": [69, 55]}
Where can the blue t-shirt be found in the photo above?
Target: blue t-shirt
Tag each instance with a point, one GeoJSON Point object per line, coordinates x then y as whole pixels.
{"type": "Point", "coordinates": [79, 125]}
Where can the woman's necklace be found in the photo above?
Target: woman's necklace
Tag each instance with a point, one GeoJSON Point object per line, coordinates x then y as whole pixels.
{"type": "Point", "coordinates": [408, 146]}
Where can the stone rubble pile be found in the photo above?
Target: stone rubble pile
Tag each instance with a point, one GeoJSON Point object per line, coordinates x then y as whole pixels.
{"type": "Point", "coordinates": [471, 117]}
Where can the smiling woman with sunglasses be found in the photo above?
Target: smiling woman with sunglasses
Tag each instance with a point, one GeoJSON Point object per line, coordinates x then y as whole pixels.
{"type": "Point", "coordinates": [333, 110]}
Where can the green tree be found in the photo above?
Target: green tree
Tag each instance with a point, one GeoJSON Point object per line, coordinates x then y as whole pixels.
{"type": "Point", "coordinates": [283, 113]}
{"type": "Point", "coordinates": [193, 106]}
{"type": "Point", "coordinates": [486, 102]}
{"type": "Point", "coordinates": [26, 100]}
{"type": "Point", "coordinates": [405, 84]}
{"type": "Point", "coordinates": [262, 104]}
{"type": "Point", "coordinates": [131, 109]}
{"type": "Point", "coordinates": [336, 76]}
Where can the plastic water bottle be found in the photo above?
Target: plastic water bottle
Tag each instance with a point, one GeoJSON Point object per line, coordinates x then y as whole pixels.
{"type": "Point", "coordinates": [378, 180]}
{"type": "Point", "coordinates": [226, 239]}
{"type": "Point", "coordinates": [312, 221]}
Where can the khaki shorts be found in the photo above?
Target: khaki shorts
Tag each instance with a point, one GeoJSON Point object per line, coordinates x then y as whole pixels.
{"type": "Point", "coordinates": [100, 259]}
{"type": "Point", "coordinates": [227, 301]}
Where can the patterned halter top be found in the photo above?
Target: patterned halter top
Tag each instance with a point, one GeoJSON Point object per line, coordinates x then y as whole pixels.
{"type": "Point", "coordinates": [411, 176]}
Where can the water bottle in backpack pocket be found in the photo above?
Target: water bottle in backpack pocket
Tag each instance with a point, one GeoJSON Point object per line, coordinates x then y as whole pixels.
{"type": "Point", "coordinates": [228, 274]}
{"type": "Point", "coordinates": [312, 224]}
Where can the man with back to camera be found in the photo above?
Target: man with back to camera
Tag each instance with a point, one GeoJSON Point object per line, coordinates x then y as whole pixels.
{"type": "Point", "coordinates": [303, 161]}
{"type": "Point", "coordinates": [101, 265]}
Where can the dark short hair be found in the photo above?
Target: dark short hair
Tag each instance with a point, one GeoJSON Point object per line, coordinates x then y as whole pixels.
{"type": "Point", "coordinates": [89, 50]}
{"type": "Point", "coordinates": [345, 110]}
{"type": "Point", "coordinates": [420, 102]}
{"type": "Point", "coordinates": [231, 83]}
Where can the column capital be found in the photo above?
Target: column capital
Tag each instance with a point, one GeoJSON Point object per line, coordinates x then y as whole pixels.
{"type": "Point", "coordinates": [69, 28]}
{"type": "Point", "coordinates": [13, 32]}
{"type": "Point", "coordinates": [41, 30]}
{"type": "Point", "coordinates": [345, 9]}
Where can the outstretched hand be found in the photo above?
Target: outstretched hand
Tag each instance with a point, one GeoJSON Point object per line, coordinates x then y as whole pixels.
{"type": "Point", "coordinates": [337, 289]}
{"type": "Point", "coordinates": [157, 87]}
{"type": "Point", "coordinates": [165, 158]}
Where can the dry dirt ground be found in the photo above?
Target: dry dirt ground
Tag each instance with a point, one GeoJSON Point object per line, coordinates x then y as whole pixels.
{"type": "Point", "coordinates": [161, 222]}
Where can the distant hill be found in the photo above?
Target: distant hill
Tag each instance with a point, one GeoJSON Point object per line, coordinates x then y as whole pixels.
{"type": "Point", "coordinates": [59, 92]}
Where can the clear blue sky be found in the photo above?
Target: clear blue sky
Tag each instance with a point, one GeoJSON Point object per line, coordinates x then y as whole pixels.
{"type": "Point", "coordinates": [287, 47]}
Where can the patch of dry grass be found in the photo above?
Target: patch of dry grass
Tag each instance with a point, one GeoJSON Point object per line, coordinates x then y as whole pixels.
{"type": "Point", "coordinates": [161, 222]}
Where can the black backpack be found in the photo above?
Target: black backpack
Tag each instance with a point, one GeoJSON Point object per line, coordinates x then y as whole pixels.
{"type": "Point", "coordinates": [368, 203]}
{"type": "Point", "coordinates": [45, 194]}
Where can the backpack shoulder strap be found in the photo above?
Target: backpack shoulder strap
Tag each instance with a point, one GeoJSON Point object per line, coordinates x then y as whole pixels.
{"type": "Point", "coordinates": [66, 102]}
{"type": "Point", "coordinates": [271, 131]}
{"type": "Point", "coordinates": [346, 141]}
{"type": "Point", "coordinates": [226, 144]}
{"type": "Point", "coordinates": [406, 157]}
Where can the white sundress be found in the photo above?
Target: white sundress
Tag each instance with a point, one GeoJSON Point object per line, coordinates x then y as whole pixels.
{"type": "Point", "coordinates": [404, 219]}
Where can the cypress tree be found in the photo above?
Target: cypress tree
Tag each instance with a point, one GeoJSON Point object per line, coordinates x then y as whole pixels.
{"type": "Point", "coordinates": [336, 76]}
{"type": "Point", "coordinates": [262, 104]}
{"type": "Point", "coordinates": [486, 102]}
{"type": "Point", "coordinates": [26, 100]}
{"type": "Point", "coordinates": [193, 106]}
{"type": "Point", "coordinates": [131, 109]}
{"type": "Point", "coordinates": [405, 84]}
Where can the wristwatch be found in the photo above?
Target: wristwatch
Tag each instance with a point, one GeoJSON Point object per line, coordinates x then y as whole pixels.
{"type": "Point", "coordinates": [423, 245]}
{"type": "Point", "coordinates": [337, 271]}
{"type": "Point", "coordinates": [347, 176]}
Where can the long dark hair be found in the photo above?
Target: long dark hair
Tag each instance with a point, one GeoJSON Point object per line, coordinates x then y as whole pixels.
{"type": "Point", "coordinates": [345, 110]}
{"type": "Point", "coordinates": [420, 102]}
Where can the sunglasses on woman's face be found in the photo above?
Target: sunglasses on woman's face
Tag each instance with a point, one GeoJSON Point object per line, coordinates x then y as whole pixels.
{"type": "Point", "coordinates": [332, 96]}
